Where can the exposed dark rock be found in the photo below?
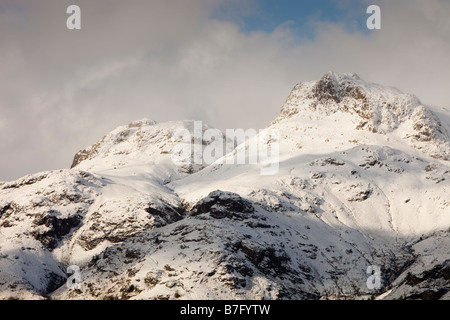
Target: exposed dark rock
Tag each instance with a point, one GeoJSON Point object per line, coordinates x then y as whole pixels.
{"type": "Point", "coordinates": [54, 282]}
{"type": "Point", "coordinates": [220, 204]}
{"type": "Point", "coordinates": [168, 268]}
{"type": "Point", "coordinates": [327, 88]}
{"type": "Point", "coordinates": [332, 161]}
{"type": "Point", "coordinates": [168, 213]}
{"type": "Point", "coordinates": [58, 228]}
{"type": "Point", "coordinates": [327, 161]}
{"type": "Point", "coordinates": [440, 271]}
{"type": "Point", "coordinates": [27, 180]}
{"type": "Point", "coordinates": [316, 175]}
{"type": "Point", "coordinates": [234, 282]}
{"type": "Point", "coordinates": [234, 265]}
{"type": "Point", "coordinates": [361, 195]}
{"type": "Point", "coordinates": [85, 154]}
{"type": "Point", "coordinates": [253, 224]}
{"type": "Point", "coordinates": [267, 260]}
{"type": "Point", "coordinates": [132, 254]}
{"type": "Point", "coordinates": [428, 294]}
{"type": "Point", "coordinates": [151, 280]}
{"type": "Point", "coordinates": [371, 162]}
{"type": "Point", "coordinates": [288, 293]}
{"type": "Point", "coordinates": [5, 209]}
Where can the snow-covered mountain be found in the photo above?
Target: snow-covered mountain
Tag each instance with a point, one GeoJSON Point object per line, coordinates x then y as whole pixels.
{"type": "Point", "coordinates": [363, 183]}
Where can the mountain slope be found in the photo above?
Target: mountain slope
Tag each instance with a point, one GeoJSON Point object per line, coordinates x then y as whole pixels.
{"type": "Point", "coordinates": [363, 181]}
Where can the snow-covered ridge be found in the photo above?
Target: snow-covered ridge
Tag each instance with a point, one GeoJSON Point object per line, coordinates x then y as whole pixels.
{"type": "Point", "coordinates": [113, 138]}
{"type": "Point", "coordinates": [141, 146]}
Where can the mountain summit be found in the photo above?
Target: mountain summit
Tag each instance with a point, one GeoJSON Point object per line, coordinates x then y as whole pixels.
{"type": "Point", "coordinates": [372, 107]}
{"type": "Point", "coordinates": [363, 184]}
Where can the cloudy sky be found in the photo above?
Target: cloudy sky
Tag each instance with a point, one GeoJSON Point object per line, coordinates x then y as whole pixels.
{"type": "Point", "coordinates": [230, 63]}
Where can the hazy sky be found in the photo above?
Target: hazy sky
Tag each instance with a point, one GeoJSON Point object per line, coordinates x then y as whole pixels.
{"type": "Point", "coordinates": [230, 63]}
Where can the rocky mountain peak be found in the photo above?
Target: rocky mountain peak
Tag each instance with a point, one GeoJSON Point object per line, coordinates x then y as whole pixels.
{"type": "Point", "coordinates": [140, 143]}
{"type": "Point", "coordinates": [335, 87]}
{"type": "Point", "coordinates": [372, 107]}
{"type": "Point", "coordinates": [131, 133]}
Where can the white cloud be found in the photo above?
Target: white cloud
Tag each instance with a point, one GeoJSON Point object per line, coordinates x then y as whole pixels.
{"type": "Point", "coordinates": [170, 60]}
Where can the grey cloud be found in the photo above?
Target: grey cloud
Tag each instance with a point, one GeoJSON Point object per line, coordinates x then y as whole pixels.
{"type": "Point", "coordinates": [168, 60]}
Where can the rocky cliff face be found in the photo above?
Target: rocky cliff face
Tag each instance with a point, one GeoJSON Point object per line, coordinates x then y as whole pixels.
{"type": "Point", "coordinates": [363, 182]}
